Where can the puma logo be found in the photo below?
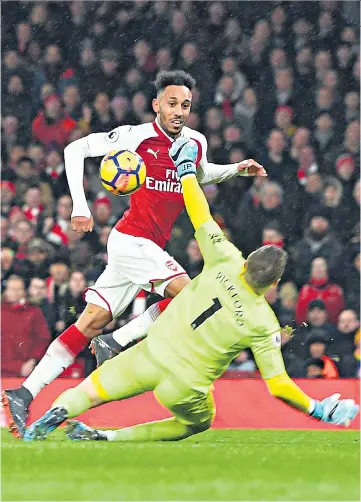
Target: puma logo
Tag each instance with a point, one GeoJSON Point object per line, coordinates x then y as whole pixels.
{"type": "Point", "coordinates": [153, 152]}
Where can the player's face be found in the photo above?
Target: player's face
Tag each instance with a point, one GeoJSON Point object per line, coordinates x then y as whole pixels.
{"type": "Point", "coordinates": [172, 107]}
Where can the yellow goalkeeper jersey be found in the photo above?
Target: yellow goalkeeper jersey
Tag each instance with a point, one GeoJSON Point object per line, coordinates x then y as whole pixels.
{"type": "Point", "coordinates": [214, 317]}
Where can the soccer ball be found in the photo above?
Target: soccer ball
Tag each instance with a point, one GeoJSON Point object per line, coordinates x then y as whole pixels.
{"type": "Point", "coordinates": [122, 172]}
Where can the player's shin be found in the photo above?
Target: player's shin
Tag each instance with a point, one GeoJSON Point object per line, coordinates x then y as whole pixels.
{"type": "Point", "coordinates": [162, 430]}
{"type": "Point", "coordinates": [89, 393]}
{"type": "Point", "coordinates": [137, 328]}
{"type": "Point", "coordinates": [75, 401]}
{"type": "Point", "coordinates": [59, 356]}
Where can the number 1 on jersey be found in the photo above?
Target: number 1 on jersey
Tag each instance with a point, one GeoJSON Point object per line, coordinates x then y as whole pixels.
{"type": "Point", "coordinates": [207, 313]}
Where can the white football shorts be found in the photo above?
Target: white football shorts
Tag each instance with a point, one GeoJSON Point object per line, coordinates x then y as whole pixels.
{"type": "Point", "coordinates": [134, 263]}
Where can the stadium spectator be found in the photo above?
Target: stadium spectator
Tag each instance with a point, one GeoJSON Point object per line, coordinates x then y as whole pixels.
{"type": "Point", "coordinates": [40, 254]}
{"type": "Point", "coordinates": [194, 262]}
{"type": "Point", "coordinates": [102, 118]}
{"type": "Point", "coordinates": [244, 362]}
{"type": "Point", "coordinates": [315, 368]}
{"type": "Point", "coordinates": [324, 134]}
{"type": "Point", "coordinates": [250, 220]}
{"type": "Point", "coordinates": [72, 302]}
{"type": "Point", "coordinates": [318, 241]}
{"type": "Point", "coordinates": [356, 353]}
{"type": "Point", "coordinates": [271, 296]}
{"type": "Point", "coordinates": [317, 345]}
{"type": "Point", "coordinates": [24, 335]}
{"type": "Point", "coordinates": [317, 318]}
{"type": "Point", "coordinates": [294, 362]}
{"type": "Point", "coordinates": [52, 127]}
{"type": "Point", "coordinates": [72, 103]}
{"type": "Point", "coordinates": [37, 294]}
{"type": "Point", "coordinates": [345, 343]}
{"type": "Point", "coordinates": [57, 284]}
{"type": "Point", "coordinates": [246, 115]}
{"type": "Point", "coordinates": [283, 119]}
{"type": "Point", "coordinates": [347, 325]}
{"type": "Point", "coordinates": [352, 107]}
{"type": "Point", "coordinates": [319, 287]}
{"type": "Point", "coordinates": [54, 174]}
{"type": "Point", "coordinates": [55, 229]}
{"type": "Point", "coordinates": [352, 281]}
{"type": "Point", "coordinates": [288, 299]}
{"type": "Point", "coordinates": [333, 205]}
{"type": "Point", "coordinates": [8, 192]}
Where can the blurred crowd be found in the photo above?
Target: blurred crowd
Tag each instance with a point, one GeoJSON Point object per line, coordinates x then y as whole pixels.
{"type": "Point", "coordinates": [276, 81]}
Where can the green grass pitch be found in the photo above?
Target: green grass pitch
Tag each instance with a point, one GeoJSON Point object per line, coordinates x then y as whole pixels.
{"type": "Point", "coordinates": [216, 465]}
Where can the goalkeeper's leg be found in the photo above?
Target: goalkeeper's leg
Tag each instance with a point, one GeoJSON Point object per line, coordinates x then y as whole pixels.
{"type": "Point", "coordinates": [129, 374]}
{"type": "Point", "coordinates": [194, 412]}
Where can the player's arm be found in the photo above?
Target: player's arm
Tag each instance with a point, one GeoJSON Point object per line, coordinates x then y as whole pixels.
{"type": "Point", "coordinates": [213, 243]}
{"type": "Point", "coordinates": [268, 356]}
{"type": "Point", "coordinates": [93, 145]}
{"type": "Point", "coordinates": [184, 152]}
{"type": "Point", "coordinates": [208, 172]}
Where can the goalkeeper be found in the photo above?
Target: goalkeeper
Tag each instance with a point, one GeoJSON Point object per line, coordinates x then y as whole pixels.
{"type": "Point", "coordinates": [221, 312]}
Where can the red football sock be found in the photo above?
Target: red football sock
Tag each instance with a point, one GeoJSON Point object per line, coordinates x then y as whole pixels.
{"type": "Point", "coordinates": [73, 340]}
{"type": "Point", "coordinates": [163, 304]}
{"type": "Point", "coordinates": [59, 356]}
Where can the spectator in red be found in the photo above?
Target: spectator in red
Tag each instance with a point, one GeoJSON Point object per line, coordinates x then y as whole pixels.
{"type": "Point", "coordinates": [52, 127]}
{"type": "Point", "coordinates": [320, 288]}
{"type": "Point", "coordinates": [24, 334]}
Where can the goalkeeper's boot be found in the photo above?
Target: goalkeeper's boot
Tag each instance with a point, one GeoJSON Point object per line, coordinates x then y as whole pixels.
{"type": "Point", "coordinates": [16, 406]}
{"type": "Point", "coordinates": [77, 431]}
{"type": "Point", "coordinates": [40, 429]}
{"type": "Point", "coordinates": [104, 348]}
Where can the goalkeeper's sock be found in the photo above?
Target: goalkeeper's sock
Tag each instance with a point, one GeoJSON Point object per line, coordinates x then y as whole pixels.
{"type": "Point", "coordinates": [59, 356]}
{"type": "Point", "coordinates": [137, 328]}
{"type": "Point", "coordinates": [169, 429]}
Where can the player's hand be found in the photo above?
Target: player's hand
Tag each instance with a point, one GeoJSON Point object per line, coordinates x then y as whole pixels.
{"type": "Point", "coordinates": [335, 410]}
{"type": "Point", "coordinates": [250, 167]}
{"type": "Point", "coordinates": [82, 224]}
{"type": "Point", "coordinates": [183, 153]}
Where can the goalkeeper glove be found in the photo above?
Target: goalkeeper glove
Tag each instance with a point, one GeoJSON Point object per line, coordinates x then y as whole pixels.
{"type": "Point", "coordinates": [335, 410]}
{"type": "Point", "coordinates": [184, 153]}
